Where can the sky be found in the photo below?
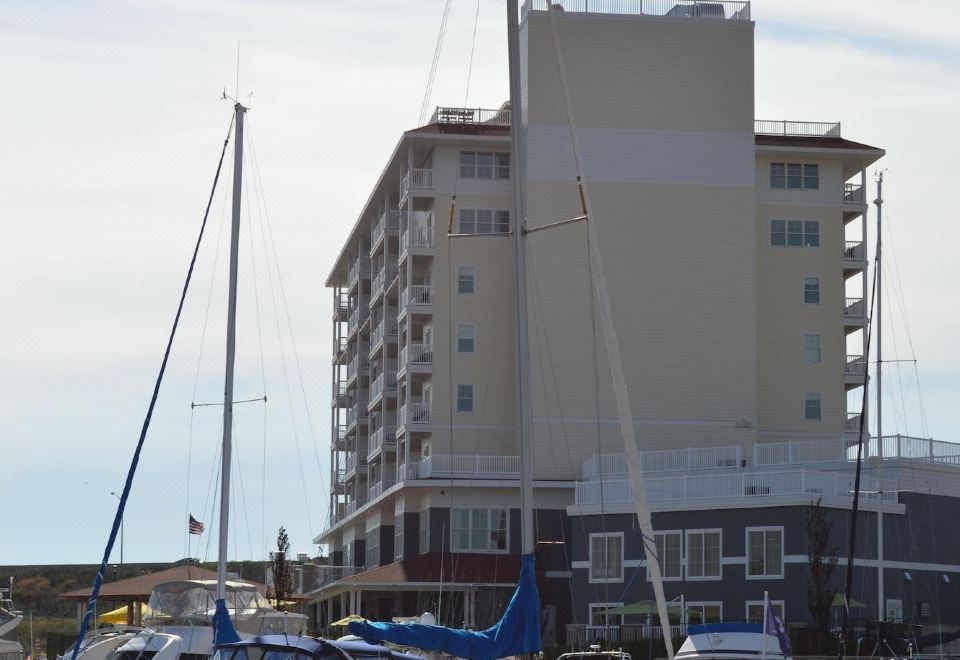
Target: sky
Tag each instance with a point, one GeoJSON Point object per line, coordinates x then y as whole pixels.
{"type": "Point", "coordinates": [110, 129]}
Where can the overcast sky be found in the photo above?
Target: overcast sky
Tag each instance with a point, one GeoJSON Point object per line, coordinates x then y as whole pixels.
{"type": "Point", "coordinates": [110, 128]}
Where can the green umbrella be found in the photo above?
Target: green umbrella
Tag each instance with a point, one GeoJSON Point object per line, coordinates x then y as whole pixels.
{"type": "Point", "coordinates": [644, 607]}
{"type": "Point", "coordinates": [838, 602]}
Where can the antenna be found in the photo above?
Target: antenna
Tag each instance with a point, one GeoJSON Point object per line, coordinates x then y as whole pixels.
{"type": "Point", "coordinates": [237, 92]}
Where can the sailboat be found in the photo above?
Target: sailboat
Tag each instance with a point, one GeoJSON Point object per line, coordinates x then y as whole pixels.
{"type": "Point", "coordinates": [10, 618]}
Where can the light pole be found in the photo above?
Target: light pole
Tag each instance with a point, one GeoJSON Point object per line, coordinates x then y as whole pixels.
{"type": "Point", "coordinates": [121, 528]}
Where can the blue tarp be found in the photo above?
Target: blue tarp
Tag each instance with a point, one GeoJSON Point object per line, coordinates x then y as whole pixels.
{"type": "Point", "coordinates": [223, 630]}
{"type": "Point", "coordinates": [516, 633]}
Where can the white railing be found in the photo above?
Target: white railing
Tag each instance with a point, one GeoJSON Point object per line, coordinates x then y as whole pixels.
{"type": "Point", "coordinates": [853, 193]}
{"type": "Point", "coordinates": [740, 484]}
{"type": "Point", "coordinates": [853, 308]}
{"type": "Point", "coordinates": [419, 237]}
{"type": "Point", "coordinates": [469, 466]}
{"type": "Point", "coordinates": [339, 345]}
{"type": "Point", "coordinates": [715, 9]}
{"type": "Point", "coordinates": [383, 438]}
{"type": "Point", "coordinates": [358, 315]}
{"type": "Point", "coordinates": [796, 128]}
{"type": "Point", "coordinates": [328, 574]}
{"type": "Point", "coordinates": [664, 460]}
{"type": "Point", "coordinates": [416, 294]}
{"type": "Point", "coordinates": [414, 413]}
{"type": "Point", "coordinates": [854, 251]}
{"type": "Point", "coordinates": [855, 367]}
{"type": "Point", "coordinates": [448, 115]}
{"type": "Point", "coordinates": [376, 490]}
{"type": "Point", "coordinates": [389, 223]}
{"type": "Point", "coordinates": [360, 268]}
{"type": "Point", "coordinates": [341, 303]}
{"type": "Point", "coordinates": [383, 330]}
{"type": "Point", "coordinates": [829, 450]}
{"type": "Point", "coordinates": [852, 424]}
{"type": "Point", "coordinates": [385, 381]}
{"type": "Point", "coordinates": [419, 177]}
{"type": "Point", "coordinates": [356, 367]}
{"type": "Point", "coordinates": [357, 412]}
{"type": "Point", "coordinates": [911, 448]}
{"type": "Point", "coordinates": [419, 355]}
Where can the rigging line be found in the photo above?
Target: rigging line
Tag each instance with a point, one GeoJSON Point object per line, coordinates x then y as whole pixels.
{"type": "Point", "coordinates": [212, 485]}
{"type": "Point", "coordinates": [283, 355]}
{"type": "Point", "coordinates": [286, 307]}
{"type": "Point", "coordinates": [213, 504]}
{"type": "Point", "coordinates": [203, 336]}
{"type": "Point", "coordinates": [243, 497]}
{"type": "Point", "coordinates": [263, 381]}
{"type": "Point", "coordinates": [428, 91]}
{"type": "Point", "coordinates": [118, 518]}
{"type": "Point", "coordinates": [220, 405]}
{"type": "Point", "coordinates": [466, 97]}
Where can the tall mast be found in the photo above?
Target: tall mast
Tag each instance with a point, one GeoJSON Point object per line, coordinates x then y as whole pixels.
{"type": "Point", "coordinates": [524, 427]}
{"type": "Point", "coordinates": [881, 609]}
{"type": "Point", "coordinates": [239, 111]}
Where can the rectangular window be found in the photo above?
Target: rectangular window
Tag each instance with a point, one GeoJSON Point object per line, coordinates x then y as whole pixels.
{"type": "Point", "coordinates": [484, 221]}
{"type": "Point", "coordinates": [465, 338]}
{"type": "Point", "coordinates": [606, 557]}
{"type": "Point", "coordinates": [705, 612]}
{"type": "Point", "coordinates": [600, 614]}
{"type": "Point", "coordinates": [479, 530]}
{"type": "Point", "coordinates": [795, 233]}
{"type": "Point", "coordinates": [795, 176]}
{"type": "Point", "coordinates": [811, 349]}
{"type": "Point", "coordinates": [755, 610]}
{"type": "Point", "coordinates": [764, 552]}
{"type": "Point", "coordinates": [484, 165]}
{"type": "Point", "coordinates": [670, 554]}
{"type": "Point", "coordinates": [812, 410]}
{"type": "Point", "coordinates": [466, 280]}
{"type": "Point", "coordinates": [811, 290]}
{"type": "Point", "coordinates": [703, 554]}
{"type": "Point", "coordinates": [398, 538]}
{"type": "Point", "coordinates": [465, 398]}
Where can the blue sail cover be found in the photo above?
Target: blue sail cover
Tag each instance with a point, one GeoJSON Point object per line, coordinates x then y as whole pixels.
{"type": "Point", "coordinates": [223, 630]}
{"type": "Point", "coordinates": [516, 633]}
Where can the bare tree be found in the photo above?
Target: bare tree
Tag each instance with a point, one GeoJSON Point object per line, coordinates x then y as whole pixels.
{"type": "Point", "coordinates": [822, 559]}
{"type": "Point", "coordinates": [282, 576]}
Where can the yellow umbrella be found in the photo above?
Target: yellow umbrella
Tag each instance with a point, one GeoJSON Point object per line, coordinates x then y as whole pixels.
{"type": "Point", "coordinates": [119, 615]}
{"type": "Point", "coordinates": [347, 619]}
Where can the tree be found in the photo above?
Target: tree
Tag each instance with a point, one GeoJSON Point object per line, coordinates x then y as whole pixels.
{"type": "Point", "coordinates": [822, 559]}
{"type": "Point", "coordinates": [282, 576]}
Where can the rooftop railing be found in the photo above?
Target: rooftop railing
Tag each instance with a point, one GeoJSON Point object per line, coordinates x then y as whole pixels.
{"type": "Point", "coordinates": [449, 115]}
{"type": "Point", "coordinates": [789, 128]}
{"type": "Point", "coordinates": [711, 9]}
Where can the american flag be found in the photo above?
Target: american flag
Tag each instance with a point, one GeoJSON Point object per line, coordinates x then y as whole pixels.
{"type": "Point", "coordinates": [196, 527]}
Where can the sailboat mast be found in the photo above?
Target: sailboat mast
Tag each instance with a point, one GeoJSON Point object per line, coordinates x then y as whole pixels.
{"type": "Point", "coordinates": [239, 111]}
{"type": "Point", "coordinates": [524, 427]}
{"type": "Point", "coordinates": [881, 613]}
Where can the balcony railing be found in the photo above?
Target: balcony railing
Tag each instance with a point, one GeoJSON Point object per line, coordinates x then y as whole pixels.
{"type": "Point", "coordinates": [389, 223]}
{"type": "Point", "coordinates": [855, 367]}
{"type": "Point", "coordinates": [384, 382]}
{"type": "Point", "coordinates": [853, 193]}
{"type": "Point", "coordinates": [854, 251]}
{"type": "Point", "coordinates": [329, 574]}
{"type": "Point", "coordinates": [708, 9]}
{"type": "Point", "coordinates": [829, 450]}
{"type": "Point", "coordinates": [383, 277]}
{"type": "Point", "coordinates": [664, 460]}
{"type": "Point", "coordinates": [376, 490]}
{"type": "Point", "coordinates": [358, 315]}
{"type": "Point", "coordinates": [418, 178]}
{"type": "Point", "coordinates": [853, 422]}
{"type": "Point", "coordinates": [911, 448]}
{"type": "Point", "coordinates": [383, 438]}
{"type": "Point", "coordinates": [339, 345]}
{"type": "Point", "coordinates": [416, 355]}
{"type": "Point", "coordinates": [357, 412]}
{"type": "Point", "coordinates": [448, 115]}
{"type": "Point", "coordinates": [416, 294]}
{"type": "Point", "coordinates": [726, 485]}
{"type": "Point", "coordinates": [382, 331]}
{"type": "Point", "coordinates": [418, 237]}
{"type": "Point", "coordinates": [854, 308]}
{"type": "Point", "coordinates": [360, 268]}
{"type": "Point", "coordinates": [356, 367]}
{"type": "Point", "coordinates": [356, 460]}
{"type": "Point", "coordinates": [448, 466]}
{"type": "Point", "coordinates": [796, 128]}
{"type": "Point", "coordinates": [341, 305]}
{"type": "Point", "coordinates": [414, 414]}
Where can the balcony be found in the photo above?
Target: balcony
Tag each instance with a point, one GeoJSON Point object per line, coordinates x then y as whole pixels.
{"type": "Point", "coordinates": [339, 394]}
{"type": "Point", "coordinates": [341, 306]}
{"type": "Point", "coordinates": [359, 269]}
{"type": "Point", "coordinates": [416, 180]}
{"type": "Point", "coordinates": [448, 115]}
{"type": "Point", "coordinates": [456, 466]}
{"type": "Point", "coordinates": [351, 507]}
{"type": "Point", "coordinates": [796, 128]}
{"type": "Point", "coordinates": [329, 574]}
{"type": "Point", "coordinates": [855, 370]}
{"type": "Point", "coordinates": [356, 462]}
{"type": "Point", "coordinates": [383, 439]}
{"type": "Point", "coordinates": [732, 485]}
{"type": "Point", "coordinates": [387, 225]}
{"type": "Point", "coordinates": [339, 438]}
{"type": "Point", "coordinates": [855, 251]}
{"type": "Point", "coordinates": [416, 357]}
{"type": "Point", "coordinates": [339, 347]}
{"type": "Point", "coordinates": [417, 239]}
{"type": "Point", "coordinates": [709, 9]}
{"type": "Point", "coordinates": [416, 299]}
{"type": "Point", "coordinates": [385, 330]}
{"type": "Point", "coordinates": [854, 311]}
{"type": "Point", "coordinates": [357, 413]}
{"type": "Point", "coordinates": [381, 280]}
{"type": "Point", "coordinates": [384, 383]}
{"type": "Point", "coordinates": [357, 367]}
{"type": "Point", "coordinates": [376, 490]}
{"type": "Point", "coordinates": [358, 316]}
{"type": "Point", "coordinates": [414, 414]}
{"type": "Point", "coordinates": [853, 193]}
{"type": "Point", "coordinates": [664, 460]}
{"type": "Point", "coordinates": [853, 422]}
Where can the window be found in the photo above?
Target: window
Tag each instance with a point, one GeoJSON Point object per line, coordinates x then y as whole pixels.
{"type": "Point", "coordinates": [705, 612]}
{"type": "Point", "coordinates": [398, 537]}
{"type": "Point", "coordinates": [466, 280]}
{"type": "Point", "coordinates": [795, 176]}
{"type": "Point", "coordinates": [812, 409]}
{"type": "Point", "coordinates": [599, 614]}
{"type": "Point", "coordinates": [465, 339]}
{"type": "Point", "coordinates": [795, 233]}
{"type": "Point", "coordinates": [811, 349]}
{"type": "Point", "coordinates": [606, 557]}
{"type": "Point", "coordinates": [484, 165]}
{"type": "Point", "coordinates": [465, 398]}
{"type": "Point", "coordinates": [484, 221]}
{"type": "Point", "coordinates": [755, 610]}
{"type": "Point", "coordinates": [764, 552]}
{"type": "Point", "coordinates": [703, 554]}
{"type": "Point", "coordinates": [670, 554]}
{"type": "Point", "coordinates": [811, 290]}
{"type": "Point", "coordinates": [424, 542]}
{"type": "Point", "coordinates": [479, 530]}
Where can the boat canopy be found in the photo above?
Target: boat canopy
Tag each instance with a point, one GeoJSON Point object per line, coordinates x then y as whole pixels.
{"type": "Point", "coordinates": [194, 601]}
{"type": "Point", "coordinates": [280, 647]}
{"type": "Point", "coordinates": [516, 633]}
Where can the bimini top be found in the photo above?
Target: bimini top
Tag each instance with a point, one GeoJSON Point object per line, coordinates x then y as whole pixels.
{"type": "Point", "coordinates": [281, 647]}
{"type": "Point", "coordinates": [192, 601]}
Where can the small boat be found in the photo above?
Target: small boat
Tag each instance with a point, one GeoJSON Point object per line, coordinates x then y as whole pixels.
{"type": "Point", "coordinates": [730, 641]}
{"type": "Point", "coordinates": [10, 618]}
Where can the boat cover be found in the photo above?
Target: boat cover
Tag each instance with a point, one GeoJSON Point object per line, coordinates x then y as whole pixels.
{"type": "Point", "coordinates": [290, 645]}
{"type": "Point", "coordinates": [517, 632]}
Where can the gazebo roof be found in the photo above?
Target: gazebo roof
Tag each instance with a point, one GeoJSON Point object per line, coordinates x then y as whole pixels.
{"type": "Point", "coordinates": [140, 586]}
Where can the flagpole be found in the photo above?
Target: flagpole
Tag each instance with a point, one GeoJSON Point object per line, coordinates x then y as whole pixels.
{"type": "Point", "coordinates": [763, 635]}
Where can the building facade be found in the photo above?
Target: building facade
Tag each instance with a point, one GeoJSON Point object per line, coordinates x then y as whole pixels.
{"type": "Point", "coordinates": [735, 255]}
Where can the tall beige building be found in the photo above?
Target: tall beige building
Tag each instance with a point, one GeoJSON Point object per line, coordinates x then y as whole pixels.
{"type": "Point", "coordinates": [734, 253]}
